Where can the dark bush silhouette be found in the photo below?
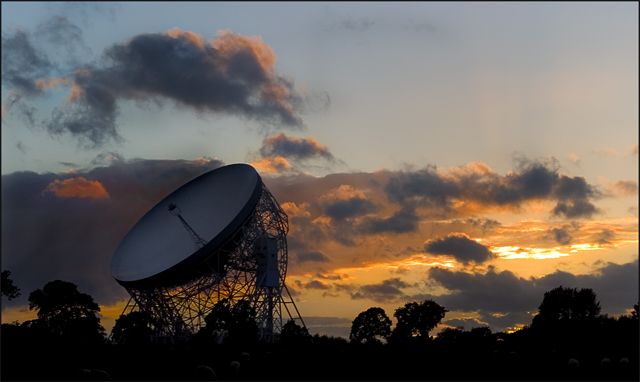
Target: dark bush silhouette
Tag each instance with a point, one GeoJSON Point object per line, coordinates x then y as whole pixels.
{"type": "Point", "coordinates": [565, 315]}
{"type": "Point", "coordinates": [451, 335]}
{"type": "Point", "coordinates": [132, 329]}
{"type": "Point", "coordinates": [8, 289]}
{"type": "Point", "coordinates": [567, 304]}
{"type": "Point", "coordinates": [228, 323]}
{"type": "Point", "coordinates": [415, 320]}
{"type": "Point", "coordinates": [294, 335]}
{"type": "Point", "coordinates": [369, 325]}
{"type": "Point", "coordinates": [66, 313]}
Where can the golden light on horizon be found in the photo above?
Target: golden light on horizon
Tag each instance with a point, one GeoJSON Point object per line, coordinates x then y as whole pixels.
{"type": "Point", "coordinates": [509, 253]}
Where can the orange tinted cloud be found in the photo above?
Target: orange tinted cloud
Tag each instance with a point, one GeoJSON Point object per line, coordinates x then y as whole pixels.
{"type": "Point", "coordinates": [620, 188]}
{"type": "Point", "coordinates": [292, 147]}
{"type": "Point", "coordinates": [606, 152]}
{"type": "Point", "coordinates": [293, 210]}
{"type": "Point", "coordinates": [228, 73]}
{"type": "Point", "coordinates": [474, 168]}
{"type": "Point", "coordinates": [272, 165]}
{"type": "Point", "coordinates": [344, 192]}
{"type": "Point", "coordinates": [574, 159]}
{"type": "Point", "coordinates": [625, 187]}
{"type": "Point", "coordinates": [532, 239]}
{"type": "Point", "coordinates": [195, 38]}
{"type": "Point", "coordinates": [78, 188]}
{"type": "Point", "coordinates": [13, 98]}
{"type": "Point", "coordinates": [228, 44]}
{"type": "Point", "coordinates": [76, 90]}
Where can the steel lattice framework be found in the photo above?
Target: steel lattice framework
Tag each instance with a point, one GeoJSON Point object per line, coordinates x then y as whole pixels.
{"type": "Point", "coordinates": [179, 310]}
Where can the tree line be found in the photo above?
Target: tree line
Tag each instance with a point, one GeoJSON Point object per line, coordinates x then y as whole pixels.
{"type": "Point", "coordinates": [569, 322]}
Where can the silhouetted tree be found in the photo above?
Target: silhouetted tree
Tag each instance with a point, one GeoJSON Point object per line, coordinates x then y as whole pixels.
{"type": "Point", "coordinates": [244, 327]}
{"type": "Point", "coordinates": [132, 329]}
{"type": "Point", "coordinates": [481, 335]}
{"type": "Point", "coordinates": [561, 304]}
{"type": "Point", "coordinates": [329, 342]}
{"type": "Point", "coordinates": [474, 339]}
{"type": "Point", "coordinates": [415, 320]}
{"type": "Point", "coordinates": [232, 323]}
{"type": "Point", "coordinates": [294, 334]}
{"type": "Point", "coordinates": [450, 335]}
{"type": "Point", "coordinates": [8, 289]}
{"type": "Point", "coordinates": [369, 325]}
{"type": "Point", "coordinates": [67, 313]}
{"type": "Point", "coordinates": [634, 312]}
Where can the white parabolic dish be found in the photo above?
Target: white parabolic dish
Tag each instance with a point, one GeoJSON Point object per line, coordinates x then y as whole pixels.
{"type": "Point", "coordinates": [215, 205]}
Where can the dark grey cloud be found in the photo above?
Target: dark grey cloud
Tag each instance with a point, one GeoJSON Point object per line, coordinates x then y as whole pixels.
{"type": "Point", "coordinates": [384, 291]}
{"type": "Point", "coordinates": [31, 61]}
{"type": "Point", "coordinates": [403, 221]}
{"type": "Point", "coordinates": [357, 24]}
{"type": "Point", "coordinates": [91, 120]}
{"type": "Point", "coordinates": [461, 248]}
{"type": "Point", "coordinates": [315, 256]}
{"type": "Point", "coordinates": [344, 209]}
{"type": "Point", "coordinates": [330, 277]}
{"type": "Point", "coordinates": [23, 63]}
{"type": "Point", "coordinates": [55, 44]}
{"type": "Point", "coordinates": [107, 158]}
{"type": "Point", "coordinates": [560, 235]}
{"type": "Point", "coordinates": [423, 187]}
{"type": "Point", "coordinates": [46, 237]}
{"type": "Point", "coordinates": [575, 208]}
{"type": "Point", "coordinates": [68, 38]}
{"type": "Point", "coordinates": [83, 11]}
{"type": "Point", "coordinates": [334, 22]}
{"type": "Point", "coordinates": [69, 164]}
{"type": "Point", "coordinates": [20, 146]}
{"type": "Point", "coordinates": [485, 224]}
{"type": "Point", "coordinates": [315, 284]}
{"type": "Point", "coordinates": [294, 148]}
{"type": "Point", "coordinates": [504, 299]}
{"type": "Point", "coordinates": [223, 76]}
{"type": "Point", "coordinates": [312, 193]}
{"type": "Point", "coordinates": [421, 26]}
{"type": "Point", "coordinates": [16, 106]}
{"type": "Point", "coordinates": [604, 237]}
{"type": "Point", "coordinates": [532, 180]}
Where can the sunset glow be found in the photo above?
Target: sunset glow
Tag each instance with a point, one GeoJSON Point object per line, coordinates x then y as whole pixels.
{"type": "Point", "coordinates": [473, 154]}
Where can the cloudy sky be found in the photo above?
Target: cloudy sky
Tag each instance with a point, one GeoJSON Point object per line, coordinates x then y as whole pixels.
{"type": "Point", "coordinates": [475, 154]}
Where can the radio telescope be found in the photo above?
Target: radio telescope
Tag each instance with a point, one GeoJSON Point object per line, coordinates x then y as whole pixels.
{"type": "Point", "coordinates": [220, 236]}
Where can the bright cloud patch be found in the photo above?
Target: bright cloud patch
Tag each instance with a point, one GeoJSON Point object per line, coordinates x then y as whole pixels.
{"type": "Point", "coordinates": [271, 165]}
{"type": "Point", "coordinates": [78, 188]}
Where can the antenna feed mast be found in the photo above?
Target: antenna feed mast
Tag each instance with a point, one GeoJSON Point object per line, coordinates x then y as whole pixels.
{"type": "Point", "coordinates": [198, 242]}
{"type": "Point", "coordinates": [175, 211]}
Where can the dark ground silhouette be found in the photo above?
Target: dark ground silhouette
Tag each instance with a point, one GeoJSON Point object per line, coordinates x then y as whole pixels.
{"type": "Point", "coordinates": [327, 358]}
{"type": "Point", "coordinates": [567, 340]}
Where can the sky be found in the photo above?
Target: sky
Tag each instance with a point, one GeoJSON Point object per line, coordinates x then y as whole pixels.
{"type": "Point", "coordinates": [476, 154]}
